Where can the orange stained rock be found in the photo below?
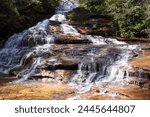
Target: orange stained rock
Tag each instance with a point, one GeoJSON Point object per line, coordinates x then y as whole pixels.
{"type": "Point", "coordinates": [141, 62]}
{"type": "Point", "coordinates": [34, 90]}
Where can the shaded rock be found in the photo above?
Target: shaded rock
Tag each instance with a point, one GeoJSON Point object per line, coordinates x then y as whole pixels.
{"type": "Point", "coordinates": [71, 39]}
{"type": "Point", "coordinates": [62, 67]}
{"type": "Point", "coordinates": [54, 23]}
{"type": "Point", "coordinates": [62, 76]}
{"type": "Point", "coordinates": [103, 31]}
{"type": "Point", "coordinates": [133, 39]}
{"type": "Point", "coordinates": [139, 73]}
{"type": "Point", "coordinates": [141, 82]}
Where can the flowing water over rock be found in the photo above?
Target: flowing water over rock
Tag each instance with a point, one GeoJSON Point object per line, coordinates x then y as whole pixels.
{"type": "Point", "coordinates": [66, 6]}
{"type": "Point", "coordinates": [66, 56]}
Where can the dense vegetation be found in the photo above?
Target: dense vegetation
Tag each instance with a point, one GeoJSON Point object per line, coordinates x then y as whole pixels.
{"type": "Point", "coordinates": [17, 15]}
{"type": "Point", "coordinates": [131, 18]}
{"type": "Point", "coordinates": [79, 15]}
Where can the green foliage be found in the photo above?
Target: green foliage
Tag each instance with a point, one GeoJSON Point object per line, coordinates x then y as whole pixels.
{"type": "Point", "coordinates": [79, 14]}
{"type": "Point", "coordinates": [7, 7]}
{"type": "Point", "coordinates": [49, 4]}
{"type": "Point", "coordinates": [131, 18]}
{"type": "Point", "coordinates": [128, 16]}
{"type": "Point", "coordinates": [95, 25]}
{"type": "Point", "coordinates": [17, 15]}
{"type": "Point", "coordinates": [147, 19]}
{"type": "Point", "coordinates": [93, 5]}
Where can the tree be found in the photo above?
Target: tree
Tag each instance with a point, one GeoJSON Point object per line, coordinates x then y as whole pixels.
{"type": "Point", "coordinates": [131, 18]}
{"type": "Point", "coordinates": [128, 16]}
{"type": "Point", "coordinates": [93, 5]}
{"type": "Point", "coordinates": [17, 15]}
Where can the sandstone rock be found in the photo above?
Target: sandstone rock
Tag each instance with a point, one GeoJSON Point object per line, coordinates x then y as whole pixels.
{"type": "Point", "coordinates": [70, 39]}
{"type": "Point", "coordinates": [141, 66]}
{"type": "Point", "coordinates": [133, 39]}
{"type": "Point", "coordinates": [55, 29]}
{"type": "Point", "coordinates": [60, 75]}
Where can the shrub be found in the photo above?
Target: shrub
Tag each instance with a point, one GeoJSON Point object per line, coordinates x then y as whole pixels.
{"type": "Point", "coordinates": [17, 15]}
{"type": "Point", "coordinates": [79, 14]}
{"type": "Point", "coordinates": [93, 5]}
{"type": "Point", "coordinates": [131, 18]}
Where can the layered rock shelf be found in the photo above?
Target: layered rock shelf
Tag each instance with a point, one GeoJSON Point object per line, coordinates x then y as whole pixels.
{"type": "Point", "coordinates": [58, 59]}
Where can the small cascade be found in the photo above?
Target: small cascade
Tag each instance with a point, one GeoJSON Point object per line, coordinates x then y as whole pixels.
{"type": "Point", "coordinates": [66, 6]}
{"type": "Point", "coordinates": [32, 37]}
{"type": "Point", "coordinates": [24, 75]}
{"type": "Point", "coordinates": [111, 67]}
{"type": "Point", "coordinates": [99, 40]}
{"type": "Point", "coordinates": [67, 29]}
{"type": "Point", "coordinates": [58, 17]}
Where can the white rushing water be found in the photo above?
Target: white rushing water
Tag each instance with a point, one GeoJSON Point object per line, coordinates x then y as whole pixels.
{"type": "Point", "coordinates": [58, 17]}
{"type": "Point", "coordinates": [33, 35]}
{"type": "Point", "coordinates": [99, 40]}
{"type": "Point", "coordinates": [66, 6]}
{"type": "Point", "coordinates": [67, 29]}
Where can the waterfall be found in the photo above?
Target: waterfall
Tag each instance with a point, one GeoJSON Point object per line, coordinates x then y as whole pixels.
{"type": "Point", "coordinates": [67, 29]}
{"type": "Point", "coordinates": [58, 17]}
{"type": "Point", "coordinates": [103, 60]}
{"type": "Point", "coordinates": [113, 68]}
{"type": "Point", "coordinates": [32, 42]}
{"type": "Point", "coordinates": [99, 40]}
{"type": "Point", "coordinates": [66, 6]}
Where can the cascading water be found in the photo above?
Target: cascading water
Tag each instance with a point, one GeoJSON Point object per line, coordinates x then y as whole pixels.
{"type": "Point", "coordinates": [105, 60]}
{"type": "Point", "coordinates": [66, 6]}
{"type": "Point", "coordinates": [31, 43]}
{"type": "Point", "coordinates": [25, 45]}
{"type": "Point", "coordinates": [67, 29]}
{"type": "Point", "coordinates": [98, 40]}
{"type": "Point", "coordinates": [110, 65]}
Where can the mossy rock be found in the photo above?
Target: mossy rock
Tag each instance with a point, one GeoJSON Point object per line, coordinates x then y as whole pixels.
{"type": "Point", "coordinates": [79, 15]}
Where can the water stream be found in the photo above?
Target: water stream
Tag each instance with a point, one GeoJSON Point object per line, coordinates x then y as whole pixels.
{"type": "Point", "coordinates": [105, 60]}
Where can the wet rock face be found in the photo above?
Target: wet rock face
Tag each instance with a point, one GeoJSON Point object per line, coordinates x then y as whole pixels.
{"type": "Point", "coordinates": [89, 53]}
{"type": "Point", "coordinates": [141, 63]}
{"type": "Point", "coordinates": [89, 59]}
{"type": "Point", "coordinates": [32, 37]}
{"type": "Point", "coordinates": [83, 55]}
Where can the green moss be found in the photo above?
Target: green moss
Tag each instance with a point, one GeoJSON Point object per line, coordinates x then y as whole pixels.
{"type": "Point", "coordinates": [79, 15]}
